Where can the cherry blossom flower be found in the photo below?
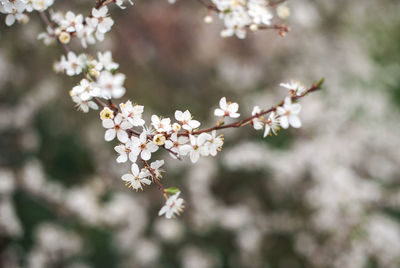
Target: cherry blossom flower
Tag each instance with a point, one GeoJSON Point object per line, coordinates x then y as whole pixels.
{"type": "Point", "coordinates": [295, 87]}
{"type": "Point", "coordinates": [215, 143]}
{"type": "Point", "coordinates": [259, 12]}
{"type": "Point", "coordinates": [288, 114]}
{"type": "Point", "coordinates": [106, 61]}
{"type": "Point", "coordinates": [111, 86]}
{"type": "Point", "coordinates": [174, 144]}
{"type": "Point", "coordinates": [116, 127]}
{"type": "Point", "coordinates": [86, 36]}
{"type": "Point", "coordinates": [125, 152]}
{"type": "Point", "coordinates": [257, 122]}
{"type": "Point", "coordinates": [173, 205]}
{"type": "Point", "coordinates": [72, 64]}
{"type": "Point", "coordinates": [186, 120]}
{"type": "Point", "coordinates": [161, 124]}
{"type": "Point", "coordinates": [72, 22]}
{"type": "Point", "coordinates": [197, 147]}
{"type": "Point", "coordinates": [82, 96]}
{"type": "Point", "coordinates": [132, 113]}
{"type": "Point", "coordinates": [137, 178]}
{"type": "Point", "coordinates": [227, 109]}
{"type": "Point", "coordinates": [41, 5]}
{"type": "Point", "coordinates": [143, 146]}
{"type": "Point", "coordinates": [101, 22]}
{"type": "Point", "coordinates": [120, 3]}
{"type": "Point", "coordinates": [271, 125]}
{"type": "Point", "coordinates": [84, 89]}
{"type": "Point", "coordinates": [156, 167]}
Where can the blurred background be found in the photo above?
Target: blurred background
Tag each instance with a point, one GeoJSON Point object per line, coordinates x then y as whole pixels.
{"type": "Point", "coordinates": [325, 195]}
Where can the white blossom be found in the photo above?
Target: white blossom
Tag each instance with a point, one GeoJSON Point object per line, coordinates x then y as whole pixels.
{"type": "Point", "coordinates": [82, 95]}
{"type": "Point", "coordinates": [289, 114]}
{"type": "Point", "coordinates": [257, 122]}
{"type": "Point", "coordinates": [125, 152]}
{"type": "Point", "coordinates": [116, 127]}
{"type": "Point", "coordinates": [111, 86]}
{"type": "Point", "coordinates": [132, 113]}
{"type": "Point", "coordinates": [161, 124]}
{"type": "Point", "coordinates": [156, 167]}
{"type": "Point", "coordinates": [120, 3]}
{"type": "Point", "coordinates": [174, 144]}
{"type": "Point", "coordinates": [173, 205]}
{"type": "Point", "coordinates": [215, 143]}
{"type": "Point", "coordinates": [197, 147]}
{"type": "Point", "coordinates": [72, 64]}
{"type": "Point", "coordinates": [227, 109]}
{"type": "Point", "coordinates": [106, 61]}
{"type": "Point", "coordinates": [72, 22]}
{"type": "Point", "coordinates": [142, 146]}
{"type": "Point", "coordinates": [295, 87]}
{"type": "Point", "coordinates": [272, 124]}
{"type": "Point", "coordinates": [100, 21]}
{"type": "Point", "coordinates": [185, 118]}
{"type": "Point", "coordinates": [137, 178]}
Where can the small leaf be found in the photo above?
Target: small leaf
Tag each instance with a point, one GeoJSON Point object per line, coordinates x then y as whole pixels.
{"type": "Point", "coordinates": [172, 190]}
{"type": "Point", "coordinates": [320, 82]}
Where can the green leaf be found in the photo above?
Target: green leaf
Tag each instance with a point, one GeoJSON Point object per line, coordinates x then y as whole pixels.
{"type": "Point", "coordinates": [172, 190]}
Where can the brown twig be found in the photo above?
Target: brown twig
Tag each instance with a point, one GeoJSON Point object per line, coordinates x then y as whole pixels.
{"type": "Point", "coordinates": [316, 86]}
{"type": "Point", "coordinates": [155, 178]}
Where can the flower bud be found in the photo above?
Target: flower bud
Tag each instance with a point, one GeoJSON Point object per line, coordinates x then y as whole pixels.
{"type": "Point", "coordinates": [208, 19]}
{"type": "Point", "coordinates": [159, 139]}
{"type": "Point", "coordinates": [64, 37]}
{"type": "Point", "coordinates": [253, 27]}
{"type": "Point", "coordinates": [283, 11]}
{"type": "Point", "coordinates": [176, 127]}
{"type": "Point", "coordinates": [106, 113]}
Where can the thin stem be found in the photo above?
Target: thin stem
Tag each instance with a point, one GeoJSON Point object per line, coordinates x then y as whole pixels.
{"type": "Point", "coordinates": [160, 186]}
{"type": "Point", "coordinates": [316, 86]}
{"type": "Point", "coordinates": [46, 21]}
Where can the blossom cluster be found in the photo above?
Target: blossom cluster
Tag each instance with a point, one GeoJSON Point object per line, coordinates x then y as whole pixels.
{"type": "Point", "coordinates": [240, 15]}
{"type": "Point", "coordinates": [88, 30]}
{"type": "Point", "coordinates": [17, 10]}
{"type": "Point", "coordinates": [101, 79]}
{"type": "Point", "coordinates": [180, 136]}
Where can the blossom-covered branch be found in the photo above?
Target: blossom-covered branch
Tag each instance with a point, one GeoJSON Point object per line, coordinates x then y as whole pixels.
{"type": "Point", "coordinates": [100, 84]}
{"type": "Point", "coordinates": [239, 15]}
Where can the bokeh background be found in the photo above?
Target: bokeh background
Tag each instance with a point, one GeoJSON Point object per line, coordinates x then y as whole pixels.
{"type": "Point", "coordinates": [325, 195]}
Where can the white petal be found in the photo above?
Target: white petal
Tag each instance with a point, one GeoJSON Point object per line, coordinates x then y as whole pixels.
{"type": "Point", "coordinates": [222, 103]}
{"type": "Point", "coordinates": [122, 136]}
{"type": "Point", "coordinates": [122, 158]}
{"type": "Point", "coordinates": [284, 122]}
{"type": "Point", "coordinates": [294, 121]}
{"type": "Point", "coordinates": [219, 112]}
{"type": "Point", "coordinates": [163, 210]}
{"type": "Point", "coordinates": [280, 110]}
{"type": "Point", "coordinates": [127, 177]}
{"type": "Point", "coordinates": [296, 108]}
{"type": "Point", "coordinates": [146, 181]}
{"type": "Point", "coordinates": [179, 115]}
{"type": "Point", "coordinates": [194, 123]}
{"type": "Point", "coordinates": [135, 169]}
{"type": "Point", "coordinates": [145, 155]}
{"type": "Point", "coordinates": [194, 156]}
{"type": "Point", "coordinates": [109, 135]}
{"type": "Point", "coordinates": [108, 123]}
